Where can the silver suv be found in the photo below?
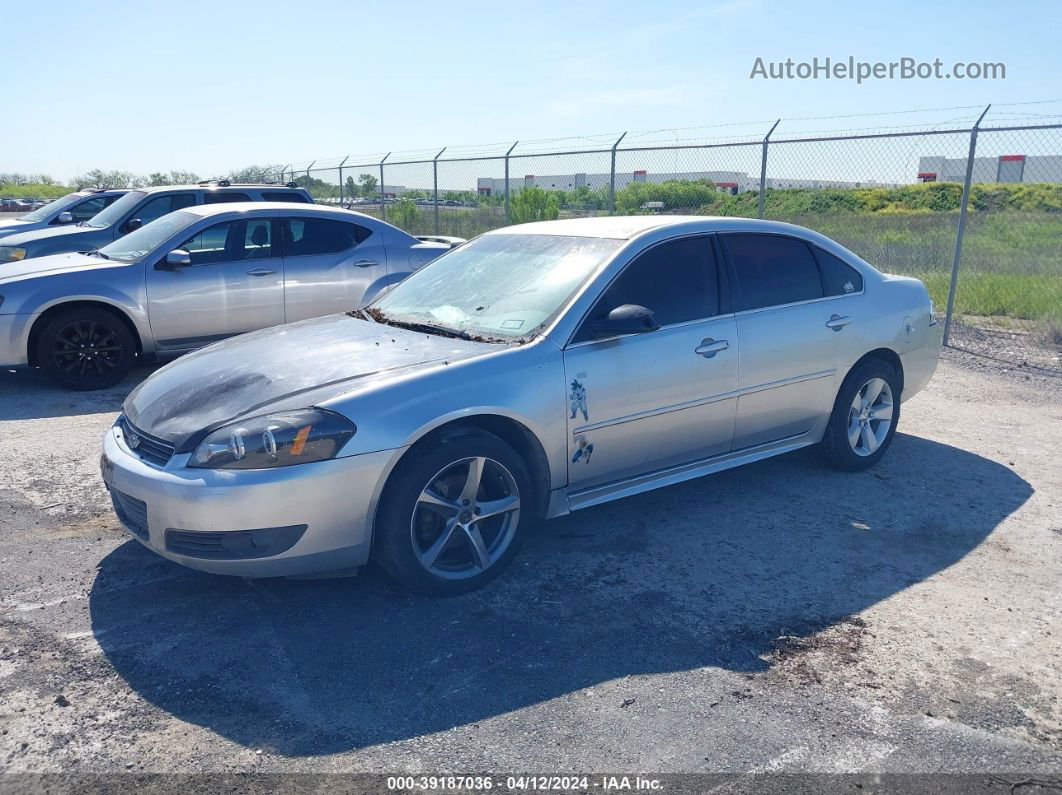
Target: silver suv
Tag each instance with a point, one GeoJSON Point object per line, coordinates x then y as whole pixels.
{"type": "Point", "coordinates": [74, 208]}
{"type": "Point", "coordinates": [136, 209]}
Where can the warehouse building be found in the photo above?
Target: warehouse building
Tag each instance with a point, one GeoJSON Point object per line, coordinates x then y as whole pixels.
{"type": "Point", "coordinates": [729, 181]}
{"type": "Point", "coordinates": [1004, 168]}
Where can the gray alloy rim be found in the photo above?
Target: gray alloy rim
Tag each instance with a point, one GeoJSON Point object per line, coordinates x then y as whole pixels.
{"type": "Point", "coordinates": [870, 417]}
{"type": "Point", "coordinates": [465, 518]}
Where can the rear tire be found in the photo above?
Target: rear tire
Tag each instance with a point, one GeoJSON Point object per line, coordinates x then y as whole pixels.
{"type": "Point", "coordinates": [454, 513]}
{"type": "Point", "coordinates": [864, 417]}
{"type": "Point", "coordinates": [84, 348]}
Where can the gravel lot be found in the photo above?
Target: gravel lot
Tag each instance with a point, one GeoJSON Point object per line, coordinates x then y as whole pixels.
{"type": "Point", "coordinates": [782, 616]}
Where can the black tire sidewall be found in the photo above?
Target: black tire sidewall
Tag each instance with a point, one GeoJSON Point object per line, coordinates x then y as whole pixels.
{"type": "Point", "coordinates": [838, 451]}
{"type": "Point", "coordinates": [101, 316]}
{"type": "Point", "coordinates": [392, 544]}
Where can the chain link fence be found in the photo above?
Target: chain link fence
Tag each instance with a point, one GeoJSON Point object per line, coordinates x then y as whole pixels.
{"type": "Point", "coordinates": [972, 208]}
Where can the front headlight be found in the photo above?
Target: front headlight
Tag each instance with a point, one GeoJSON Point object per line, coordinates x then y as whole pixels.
{"type": "Point", "coordinates": [12, 254]}
{"type": "Point", "coordinates": [275, 440]}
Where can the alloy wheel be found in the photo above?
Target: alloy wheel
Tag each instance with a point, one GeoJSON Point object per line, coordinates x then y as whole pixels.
{"type": "Point", "coordinates": [870, 417]}
{"type": "Point", "coordinates": [465, 518]}
{"type": "Point", "coordinates": [87, 348]}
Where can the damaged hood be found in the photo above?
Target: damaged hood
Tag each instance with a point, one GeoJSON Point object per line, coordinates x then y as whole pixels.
{"type": "Point", "coordinates": [285, 367]}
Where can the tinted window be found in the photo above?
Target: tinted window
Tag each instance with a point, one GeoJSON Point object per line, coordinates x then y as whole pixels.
{"type": "Point", "coordinates": [231, 241]}
{"type": "Point", "coordinates": [284, 196]}
{"type": "Point", "coordinates": [307, 236]}
{"type": "Point", "coordinates": [224, 196]}
{"type": "Point", "coordinates": [677, 281]}
{"type": "Point", "coordinates": [838, 277]}
{"type": "Point", "coordinates": [772, 270]}
{"type": "Point", "coordinates": [160, 205]}
{"type": "Point", "coordinates": [89, 207]}
{"type": "Point", "coordinates": [258, 239]}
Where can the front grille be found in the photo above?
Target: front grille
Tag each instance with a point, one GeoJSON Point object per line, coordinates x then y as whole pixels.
{"type": "Point", "coordinates": [132, 513]}
{"type": "Point", "coordinates": [147, 447]}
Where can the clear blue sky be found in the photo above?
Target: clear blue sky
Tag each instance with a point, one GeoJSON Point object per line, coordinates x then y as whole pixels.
{"type": "Point", "coordinates": [209, 86]}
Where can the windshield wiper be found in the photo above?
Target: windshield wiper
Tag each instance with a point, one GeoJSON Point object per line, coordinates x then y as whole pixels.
{"type": "Point", "coordinates": [97, 253]}
{"type": "Point", "coordinates": [429, 328]}
{"type": "Point", "coordinates": [376, 315]}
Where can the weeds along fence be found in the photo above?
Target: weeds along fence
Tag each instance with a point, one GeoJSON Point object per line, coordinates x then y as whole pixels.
{"type": "Point", "coordinates": [974, 211]}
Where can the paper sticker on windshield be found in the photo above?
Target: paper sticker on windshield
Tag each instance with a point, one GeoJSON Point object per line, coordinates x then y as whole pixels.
{"type": "Point", "coordinates": [577, 401]}
{"type": "Point", "coordinates": [512, 324]}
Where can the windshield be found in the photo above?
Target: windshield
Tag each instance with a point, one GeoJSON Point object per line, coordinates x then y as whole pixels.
{"type": "Point", "coordinates": [113, 214]}
{"type": "Point", "coordinates": [57, 206]}
{"type": "Point", "coordinates": [498, 285]}
{"type": "Point", "coordinates": [147, 238]}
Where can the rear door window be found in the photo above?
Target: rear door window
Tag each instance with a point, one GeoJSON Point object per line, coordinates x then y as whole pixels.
{"type": "Point", "coordinates": [838, 277]}
{"type": "Point", "coordinates": [310, 236]}
{"type": "Point", "coordinates": [284, 196]}
{"type": "Point", "coordinates": [220, 197]}
{"type": "Point", "coordinates": [772, 270]}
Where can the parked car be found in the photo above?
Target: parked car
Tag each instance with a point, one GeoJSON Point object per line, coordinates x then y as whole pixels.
{"type": "Point", "coordinates": [74, 208]}
{"type": "Point", "coordinates": [135, 209]}
{"type": "Point", "coordinates": [536, 370]}
{"type": "Point", "coordinates": [193, 277]}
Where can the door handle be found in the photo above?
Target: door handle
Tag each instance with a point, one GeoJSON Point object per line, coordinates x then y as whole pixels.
{"type": "Point", "coordinates": [365, 263]}
{"type": "Point", "coordinates": [261, 271]}
{"type": "Point", "coordinates": [710, 347]}
{"type": "Point", "coordinates": [836, 322]}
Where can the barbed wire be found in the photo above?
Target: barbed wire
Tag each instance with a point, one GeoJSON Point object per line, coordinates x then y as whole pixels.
{"type": "Point", "coordinates": [685, 136]}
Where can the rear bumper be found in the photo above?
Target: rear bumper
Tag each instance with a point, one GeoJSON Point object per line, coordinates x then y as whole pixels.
{"type": "Point", "coordinates": [920, 363]}
{"type": "Point", "coordinates": [303, 519]}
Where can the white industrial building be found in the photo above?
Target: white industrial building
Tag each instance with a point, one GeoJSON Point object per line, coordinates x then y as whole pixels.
{"type": "Point", "coordinates": [1004, 168]}
{"type": "Point", "coordinates": [729, 181]}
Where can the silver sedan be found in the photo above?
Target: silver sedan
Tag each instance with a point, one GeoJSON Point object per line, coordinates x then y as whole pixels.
{"type": "Point", "coordinates": [193, 277]}
{"type": "Point", "coordinates": [537, 370]}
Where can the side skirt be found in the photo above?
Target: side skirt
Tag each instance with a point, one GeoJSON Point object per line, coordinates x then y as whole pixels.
{"type": "Point", "coordinates": [563, 501]}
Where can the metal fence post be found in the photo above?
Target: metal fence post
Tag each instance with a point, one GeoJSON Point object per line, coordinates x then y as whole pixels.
{"type": "Point", "coordinates": [312, 163]}
{"type": "Point", "coordinates": [763, 170]}
{"type": "Point", "coordinates": [962, 226]}
{"type": "Point", "coordinates": [435, 186]}
{"type": "Point", "coordinates": [383, 204]}
{"type": "Point", "coordinates": [511, 148]}
{"type": "Point", "coordinates": [612, 177]}
{"type": "Point", "coordinates": [345, 159]}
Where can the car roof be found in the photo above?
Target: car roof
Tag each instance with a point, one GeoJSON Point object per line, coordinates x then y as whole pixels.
{"type": "Point", "coordinates": [236, 187]}
{"type": "Point", "coordinates": [206, 210]}
{"type": "Point", "coordinates": [624, 227]}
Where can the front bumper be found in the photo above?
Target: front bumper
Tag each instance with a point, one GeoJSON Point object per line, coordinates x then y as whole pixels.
{"type": "Point", "coordinates": [14, 339]}
{"type": "Point", "coordinates": [166, 507]}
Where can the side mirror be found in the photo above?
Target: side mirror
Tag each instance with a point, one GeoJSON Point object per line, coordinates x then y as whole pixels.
{"type": "Point", "coordinates": [133, 224]}
{"type": "Point", "coordinates": [626, 319]}
{"type": "Point", "coordinates": [65, 217]}
{"type": "Point", "coordinates": [178, 257]}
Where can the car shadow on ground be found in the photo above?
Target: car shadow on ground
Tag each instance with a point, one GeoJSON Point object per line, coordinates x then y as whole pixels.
{"type": "Point", "coordinates": [707, 573]}
{"type": "Point", "coordinates": [31, 395]}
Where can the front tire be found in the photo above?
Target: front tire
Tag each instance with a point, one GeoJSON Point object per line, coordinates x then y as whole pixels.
{"type": "Point", "coordinates": [454, 513]}
{"type": "Point", "coordinates": [85, 349]}
{"type": "Point", "coordinates": [864, 417]}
